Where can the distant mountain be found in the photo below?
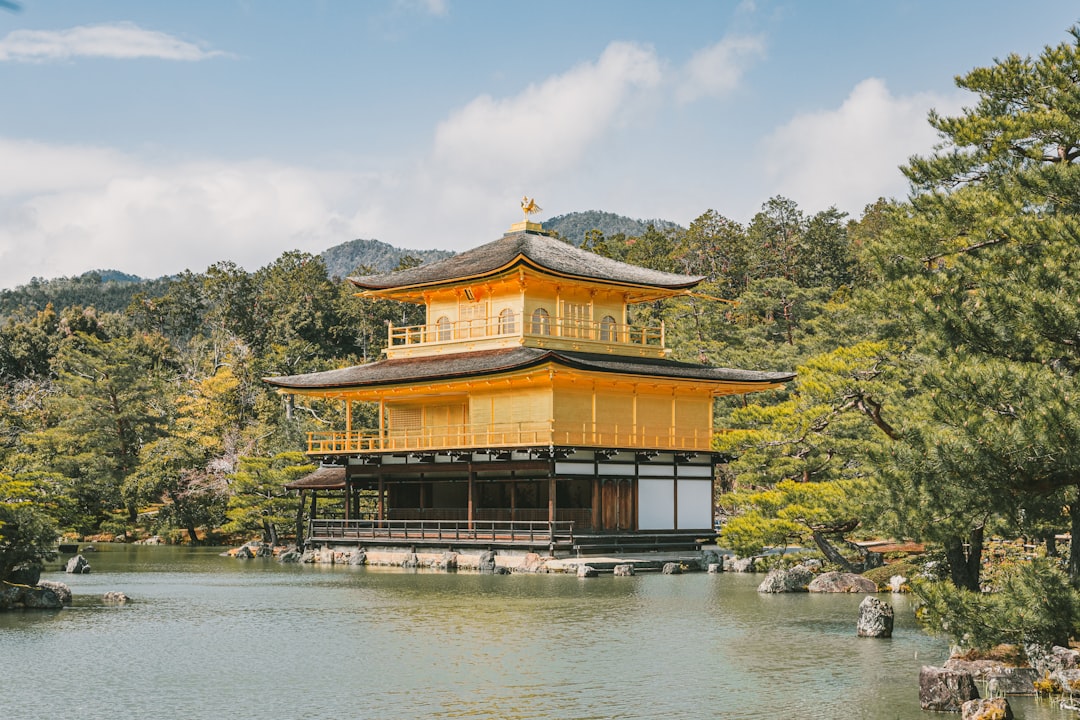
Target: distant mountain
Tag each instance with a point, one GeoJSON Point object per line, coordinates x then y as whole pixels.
{"type": "Point", "coordinates": [573, 226]}
{"type": "Point", "coordinates": [343, 260]}
{"type": "Point", "coordinates": [112, 290]}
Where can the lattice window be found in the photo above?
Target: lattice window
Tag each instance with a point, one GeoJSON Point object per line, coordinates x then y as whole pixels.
{"type": "Point", "coordinates": [507, 322]}
{"type": "Point", "coordinates": [541, 322]}
{"type": "Point", "coordinates": [607, 329]}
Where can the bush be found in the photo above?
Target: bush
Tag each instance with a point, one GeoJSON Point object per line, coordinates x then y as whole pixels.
{"type": "Point", "coordinates": [1033, 603]}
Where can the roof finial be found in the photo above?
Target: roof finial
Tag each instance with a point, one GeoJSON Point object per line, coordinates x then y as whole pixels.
{"type": "Point", "coordinates": [529, 206]}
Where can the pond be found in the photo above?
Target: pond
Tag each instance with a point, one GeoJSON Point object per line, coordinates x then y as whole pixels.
{"type": "Point", "coordinates": [214, 637]}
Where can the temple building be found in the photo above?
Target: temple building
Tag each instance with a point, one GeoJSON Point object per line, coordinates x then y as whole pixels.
{"type": "Point", "coordinates": [526, 412]}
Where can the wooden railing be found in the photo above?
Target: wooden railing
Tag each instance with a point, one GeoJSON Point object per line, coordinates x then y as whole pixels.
{"type": "Point", "coordinates": [521, 532]}
{"type": "Point", "coordinates": [496, 327]}
{"type": "Point", "coordinates": [524, 434]}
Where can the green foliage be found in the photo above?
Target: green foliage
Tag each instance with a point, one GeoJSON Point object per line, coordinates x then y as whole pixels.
{"type": "Point", "coordinates": [982, 261]}
{"type": "Point", "coordinates": [27, 530]}
{"type": "Point", "coordinates": [1033, 603]}
{"type": "Point", "coordinates": [258, 501]}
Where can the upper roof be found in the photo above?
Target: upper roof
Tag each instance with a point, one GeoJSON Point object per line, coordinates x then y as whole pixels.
{"type": "Point", "coordinates": [537, 250]}
{"type": "Point", "coordinates": [488, 362]}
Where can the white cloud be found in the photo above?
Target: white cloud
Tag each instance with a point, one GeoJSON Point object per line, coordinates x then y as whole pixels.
{"type": "Point", "coordinates": [117, 212]}
{"type": "Point", "coordinates": [547, 128]}
{"type": "Point", "coordinates": [122, 41]}
{"type": "Point", "coordinates": [439, 8]}
{"type": "Point", "coordinates": [850, 156]}
{"type": "Point", "coordinates": [717, 69]}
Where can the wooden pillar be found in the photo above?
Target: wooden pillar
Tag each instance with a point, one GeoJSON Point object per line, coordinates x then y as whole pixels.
{"type": "Point", "coordinates": [472, 497]}
{"type": "Point", "coordinates": [300, 522]}
{"type": "Point", "coordinates": [348, 499]}
{"type": "Point", "coordinates": [551, 497]}
{"type": "Point", "coordinates": [596, 503]}
{"type": "Point", "coordinates": [513, 498]}
{"type": "Point", "coordinates": [380, 502]}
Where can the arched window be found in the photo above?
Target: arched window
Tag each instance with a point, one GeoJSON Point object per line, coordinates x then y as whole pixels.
{"type": "Point", "coordinates": [607, 329]}
{"type": "Point", "coordinates": [507, 322]}
{"type": "Point", "coordinates": [541, 322]}
{"type": "Point", "coordinates": [442, 326]}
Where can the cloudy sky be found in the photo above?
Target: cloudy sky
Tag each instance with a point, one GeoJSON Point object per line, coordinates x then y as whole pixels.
{"type": "Point", "coordinates": [151, 137]}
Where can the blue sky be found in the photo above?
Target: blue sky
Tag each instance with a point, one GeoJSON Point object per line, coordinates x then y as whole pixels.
{"type": "Point", "coordinates": [151, 137]}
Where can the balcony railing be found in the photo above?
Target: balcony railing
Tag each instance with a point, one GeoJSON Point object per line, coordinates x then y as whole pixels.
{"type": "Point", "coordinates": [499, 327]}
{"type": "Point", "coordinates": [438, 531]}
{"type": "Point", "coordinates": [501, 435]}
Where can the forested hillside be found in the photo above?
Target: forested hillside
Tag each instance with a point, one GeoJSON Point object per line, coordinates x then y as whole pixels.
{"type": "Point", "coordinates": [935, 339]}
{"type": "Point", "coordinates": [576, 225]}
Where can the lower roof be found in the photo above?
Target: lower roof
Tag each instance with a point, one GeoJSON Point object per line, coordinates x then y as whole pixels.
{"type": "Point", "coordinates": [490, 362]}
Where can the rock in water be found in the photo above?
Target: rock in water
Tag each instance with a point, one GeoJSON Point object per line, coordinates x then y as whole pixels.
{"type": "Point", "coordinates": [671, 568]}
{"type": "Point", "coordinates": [624, 570]}
{"type": "Point", "coordinates": [840, 582]}
{"type": "Point", "coordinates": [875, 618]}
{"type": "Point", "coordinates": [77, 566]}
{"type": "Point", "coordinates": [487, 562]}
{"type": "Point", "coordinates": [945, 690]}
{"type": "Point", "coordinates": [988, 709]}
{"type": "Point", "coordinates": [796, 579]}
{"type": "Point", "coordinates": [62, 591]}
{"type": "Point", "coordinates": [587, 571]}
{"type": "Point", "coordinates": [1012, 681]}
{"type": "Point", "coordinates": [115, 597]}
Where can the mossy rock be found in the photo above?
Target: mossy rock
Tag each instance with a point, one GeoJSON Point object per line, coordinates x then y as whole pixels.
{"type": "Point", "coordinates": [882, 575]}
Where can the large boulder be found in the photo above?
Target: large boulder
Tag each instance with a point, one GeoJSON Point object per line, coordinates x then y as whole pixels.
{"type": "Point", "coordinates": [672, 568]}
{"type": "Point", "coordinates": [1067, 680]}
{"type": "Point", "coordinates": [587, 571]}
{"type": "Point", "coordinates": [115, 597]}
{"type": "Point", "coordinates": [841, 582]}
{"type": "Point", "coordinates": [77, 566]}
{"type": "Point", "coordinates": [944, 690]}
{"type": "Point", "coordinates": [624, 570]}
{"type": "Point", "coordinates": [62, 591]}
{"type": "Point", "coordinates": [795, 579]}
{"type": "Point", "coordinates": [41, 598]}
{"type": "Point", "coordinates": [742, 565]}
{"type": "Point", "coordinates": [486, 564]}
{"type": "Point", "coordinates": [34, 597]}
{"type": "Point", "coordinates": [1012, 681]}
{"type": "Point", "coordinates": [875, 618]}
{"type": "Point", "coordinates": [980, 669]}
{"type": "Point", "coordinates": [986, 709]}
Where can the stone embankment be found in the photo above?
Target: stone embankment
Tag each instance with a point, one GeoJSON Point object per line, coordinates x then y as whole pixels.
{"type": "Point", "coordinates": [488, 561]}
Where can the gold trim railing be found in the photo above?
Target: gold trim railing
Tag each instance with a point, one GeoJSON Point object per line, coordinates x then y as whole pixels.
{"type": "Point", "coordinates": [523, 434]}
{"type": "Point", "coordinates": [589, 330]}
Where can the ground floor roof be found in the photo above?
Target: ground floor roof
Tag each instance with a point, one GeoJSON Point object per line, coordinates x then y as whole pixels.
{"type": "Point", "coordinates": [492, 362]}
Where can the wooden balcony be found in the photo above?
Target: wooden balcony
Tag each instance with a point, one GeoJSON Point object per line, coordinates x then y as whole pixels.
{"type": "Point", "coordinates": [525, 534]}
{"type": "Point", "coordinates": [590, 334]}
{"type": "Point", "coordinates": [509, 435]}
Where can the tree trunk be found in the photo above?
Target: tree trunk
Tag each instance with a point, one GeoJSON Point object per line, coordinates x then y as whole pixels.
{"type": "Point", "coordinates": [964, 566]}
{"type": "Point", "coordinates": [830, 552]}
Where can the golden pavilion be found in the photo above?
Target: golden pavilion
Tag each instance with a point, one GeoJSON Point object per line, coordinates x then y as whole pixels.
{"type": "Point", "coordinates": [526, 412]}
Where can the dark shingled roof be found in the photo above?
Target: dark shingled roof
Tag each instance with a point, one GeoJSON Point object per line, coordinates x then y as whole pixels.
{"type": "Point", "coordinates": [488, 362]}
{"type": "Point", "coordinates": [538, 250]}
{"type": "Point", "coordinates": [327, 477]}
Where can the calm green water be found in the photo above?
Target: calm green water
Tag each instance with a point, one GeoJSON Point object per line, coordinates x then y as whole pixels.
{"type": "Point", "coordinates": [211, 637]}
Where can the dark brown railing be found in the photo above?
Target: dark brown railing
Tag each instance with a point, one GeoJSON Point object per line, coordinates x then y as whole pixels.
{"type": "Point", "coordinates": [523, 532]}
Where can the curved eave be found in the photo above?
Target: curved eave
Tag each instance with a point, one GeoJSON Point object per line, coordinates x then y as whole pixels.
{"type": "Point", "coordinates": [398, 373]}
{"type": "Point", "coordinates": [415, 292]}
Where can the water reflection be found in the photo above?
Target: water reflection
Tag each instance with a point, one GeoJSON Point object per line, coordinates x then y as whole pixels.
{"type": "Point", "coordinates": [208, 637]}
